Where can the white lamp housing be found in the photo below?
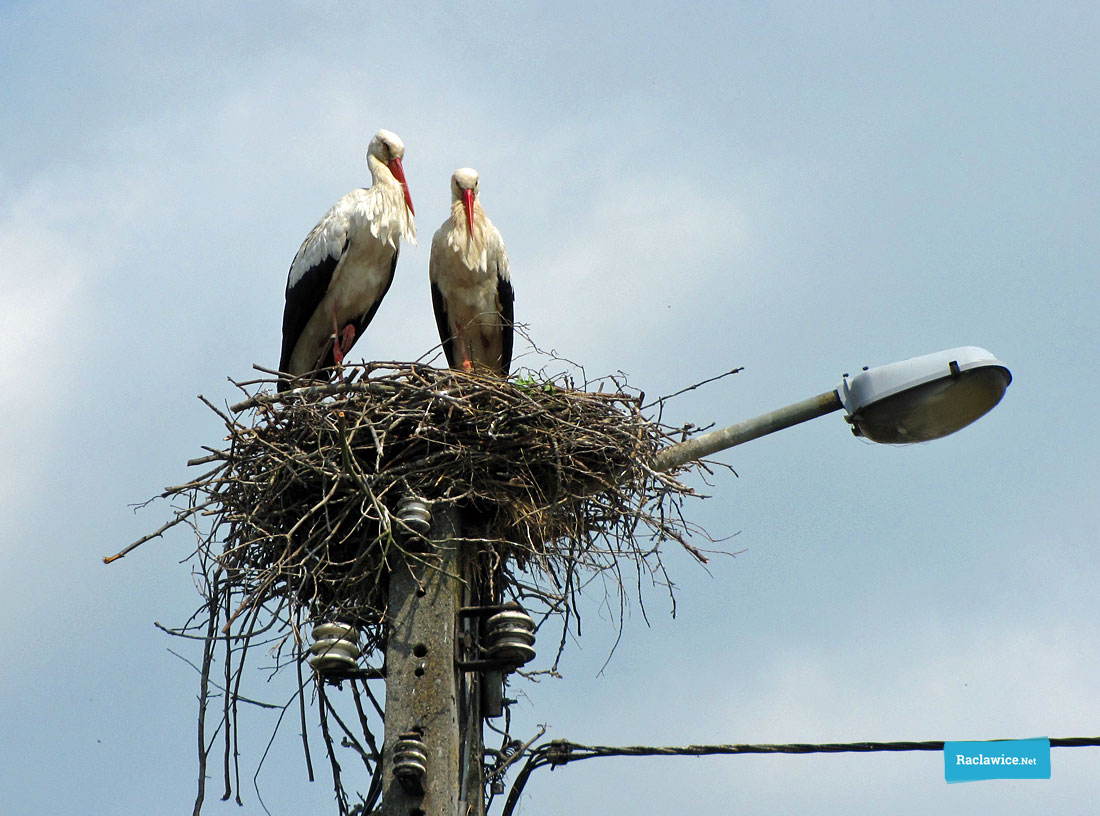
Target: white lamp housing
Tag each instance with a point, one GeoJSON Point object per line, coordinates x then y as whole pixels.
{"type": "Point", "coordinates": [925, 397]}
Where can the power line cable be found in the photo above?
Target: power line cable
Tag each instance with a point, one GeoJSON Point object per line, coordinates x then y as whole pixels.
{"type": "Point", "coordinates": [562, 752]}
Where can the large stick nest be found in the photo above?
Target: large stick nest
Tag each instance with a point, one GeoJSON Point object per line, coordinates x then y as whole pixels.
{"type": "Point", "coordinates": [298, 520]}
{"type": "Point", "coordinates": [553, 481]}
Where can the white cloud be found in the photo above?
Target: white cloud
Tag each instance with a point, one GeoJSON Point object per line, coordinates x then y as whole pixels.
{"type": "Point", "coordinates": [42, 283]}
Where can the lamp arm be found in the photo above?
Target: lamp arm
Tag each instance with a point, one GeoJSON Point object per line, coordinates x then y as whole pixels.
{"type": "Point", "coordinates": [683, 452]}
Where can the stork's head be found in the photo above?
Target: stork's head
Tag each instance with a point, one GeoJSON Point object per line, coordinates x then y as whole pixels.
{"type": "Point", "coordinates": [464, 189]}
{"type": "Point", "coordinates": [387, 147]}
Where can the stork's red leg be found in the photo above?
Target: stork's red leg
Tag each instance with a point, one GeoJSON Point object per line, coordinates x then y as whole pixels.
{"type": "Point", "coordinates": [341, 340]}
{"type": "Point", "coordinates": [347, 337]}
{"type": "Point", "coordinates": [341, 343]}
{"type": "Point", "coordinates": [462, 350]}
{"type": "Point", "coordinates": [337, 352]}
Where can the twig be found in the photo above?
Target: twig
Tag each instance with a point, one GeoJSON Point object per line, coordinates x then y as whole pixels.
{"type": "Point", "coordinates": [667, 397]}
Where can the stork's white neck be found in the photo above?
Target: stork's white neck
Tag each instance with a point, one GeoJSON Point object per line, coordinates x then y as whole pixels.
{"type": "Point", "coordinates": [390, 218]}
{"type": "Point", "coordinates": [470, 248]}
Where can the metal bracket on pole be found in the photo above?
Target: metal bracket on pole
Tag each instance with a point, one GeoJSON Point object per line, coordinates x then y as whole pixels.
{"type": "Point", "coordinates": [503, 641]}
{"type": "Point", "coordinates": [509, 638]}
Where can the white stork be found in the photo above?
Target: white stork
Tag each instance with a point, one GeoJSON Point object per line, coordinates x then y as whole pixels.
{"type": "Point", "coordinates": [346, 264]}
{"type": "Point", "coordinates": [471, 286]}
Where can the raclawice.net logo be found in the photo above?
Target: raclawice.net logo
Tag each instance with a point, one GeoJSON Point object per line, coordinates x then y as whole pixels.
{"type": "Point", "coordinates": [996, 759]}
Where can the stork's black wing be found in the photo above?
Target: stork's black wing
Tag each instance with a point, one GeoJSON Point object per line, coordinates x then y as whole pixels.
{"type": "Point", "coordinates": [304, 293]}
{"type": "Point", "coordinates": [506, 298]}
{"type": "Point", "coordinates": [443, 324]}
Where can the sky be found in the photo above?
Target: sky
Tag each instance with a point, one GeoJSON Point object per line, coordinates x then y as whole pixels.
{"type": "Point", "coordinates": [800, 189]}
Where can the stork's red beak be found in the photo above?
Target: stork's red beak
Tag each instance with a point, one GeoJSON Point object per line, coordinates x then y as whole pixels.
{"type": "Point", "coordinates": [468, 204]}
{"type": "Point", "coordinates": [399, 174]}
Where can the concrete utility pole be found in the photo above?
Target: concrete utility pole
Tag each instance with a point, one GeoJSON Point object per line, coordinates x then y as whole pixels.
{"type": "Point", "coordinates": [433, 721]}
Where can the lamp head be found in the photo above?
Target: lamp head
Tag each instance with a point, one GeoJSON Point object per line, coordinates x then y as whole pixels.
{"type": "Point", "coordinates": [925, 397]}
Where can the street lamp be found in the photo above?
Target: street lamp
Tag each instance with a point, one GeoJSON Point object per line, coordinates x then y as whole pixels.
{"type": "Point", "coordinates": [924, 398]}
{"type": "Point", "coordinates": [915, 400]}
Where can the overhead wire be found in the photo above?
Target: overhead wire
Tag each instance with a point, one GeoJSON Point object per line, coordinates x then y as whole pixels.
{"type": "Point", "coordinates": [562, 752]}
